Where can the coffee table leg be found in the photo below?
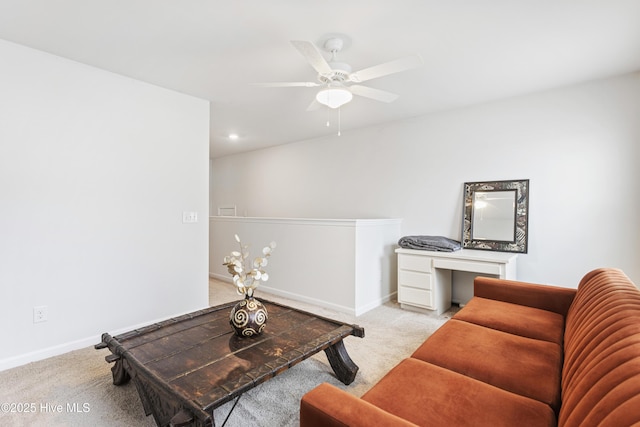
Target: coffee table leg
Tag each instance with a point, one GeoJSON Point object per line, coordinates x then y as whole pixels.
{"type": "Point", "coordinates": [341, 363]}
{"type": "Point", "coordinates": [120, 375]}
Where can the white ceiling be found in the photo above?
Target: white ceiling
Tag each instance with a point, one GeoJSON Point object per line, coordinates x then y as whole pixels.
{"type": "Point", "coordinates": [474, 51]}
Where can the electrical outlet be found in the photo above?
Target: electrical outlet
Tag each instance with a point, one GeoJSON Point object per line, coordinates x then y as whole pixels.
{"type": "Point", "coordinates": [40, 314]}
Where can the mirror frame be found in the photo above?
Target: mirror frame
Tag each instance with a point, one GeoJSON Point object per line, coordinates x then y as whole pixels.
{"type": "Point", "coordinates": [520, 245]}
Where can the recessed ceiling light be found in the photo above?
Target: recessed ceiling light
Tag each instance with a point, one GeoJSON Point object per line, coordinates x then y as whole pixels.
{"type": "Point", "coordinates": [233, 136]}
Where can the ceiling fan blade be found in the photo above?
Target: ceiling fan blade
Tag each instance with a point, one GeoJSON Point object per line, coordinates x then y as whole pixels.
{"type": "Point", "coordinates": [313, 56]}
{"type": "Point", "coordinates": [314, 105]}
{"type": "Point", "coordinates": [287, 84]}
{"type": "Point", "coordinates": [386, 68]}
{"type": "Point", "coordinates": [369, 92]}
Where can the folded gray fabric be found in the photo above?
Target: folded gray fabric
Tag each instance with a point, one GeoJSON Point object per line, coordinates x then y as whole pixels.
{"type": "Point", "coordinates": [429, 243]}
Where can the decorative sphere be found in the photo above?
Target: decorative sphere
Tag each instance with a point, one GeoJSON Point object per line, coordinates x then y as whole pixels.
{"type": "Point", "coordinates": [248, 317]}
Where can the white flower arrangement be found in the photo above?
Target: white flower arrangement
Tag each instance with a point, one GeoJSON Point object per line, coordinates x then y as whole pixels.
{"type": "Point", "coordinates": [247, 279]}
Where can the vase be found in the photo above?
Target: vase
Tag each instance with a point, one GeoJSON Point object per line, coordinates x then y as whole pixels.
{"type": "Point", "coordinates": [248, 317]}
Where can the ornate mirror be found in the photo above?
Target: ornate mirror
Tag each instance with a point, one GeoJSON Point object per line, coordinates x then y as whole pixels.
{"type": "Point", "coordinates": [496, 215]}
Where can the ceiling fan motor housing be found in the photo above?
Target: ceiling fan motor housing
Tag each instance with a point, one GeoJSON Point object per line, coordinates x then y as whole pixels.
{"type": "Point", "coordinates": [340, 72]}
{"type": "Point", "coordinates": [334, 45]}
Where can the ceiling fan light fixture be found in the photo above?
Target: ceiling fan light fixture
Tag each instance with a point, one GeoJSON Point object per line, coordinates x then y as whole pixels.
{"type": "Point", "coordinates": [334, 97]}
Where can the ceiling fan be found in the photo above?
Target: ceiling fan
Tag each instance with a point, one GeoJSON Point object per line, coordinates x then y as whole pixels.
{"type": "Point", "coordinates": [338, 82]}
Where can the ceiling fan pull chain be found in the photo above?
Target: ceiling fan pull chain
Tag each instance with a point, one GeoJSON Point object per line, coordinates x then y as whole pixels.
{"type": "Point", "coordinates": [339, 121]}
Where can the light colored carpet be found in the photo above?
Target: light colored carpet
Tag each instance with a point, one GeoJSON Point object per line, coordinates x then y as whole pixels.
{"type": "Point", "coordinates": [75, 389]}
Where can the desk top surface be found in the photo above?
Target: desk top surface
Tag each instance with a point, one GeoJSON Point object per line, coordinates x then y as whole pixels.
{"type": "Point", "coordinates": [464, 254]}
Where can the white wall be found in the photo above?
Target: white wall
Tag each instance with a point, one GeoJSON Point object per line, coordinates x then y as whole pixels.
{"type": "Point", "coordinates": [579, 146]}
{"type": "Point", "coordinates": [95, 172]}
{"type": "Point", "coordinates": [362, 273]}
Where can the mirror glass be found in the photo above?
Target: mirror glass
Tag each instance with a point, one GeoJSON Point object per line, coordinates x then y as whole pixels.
{"type": "Point", "coordinates": [495, 215]}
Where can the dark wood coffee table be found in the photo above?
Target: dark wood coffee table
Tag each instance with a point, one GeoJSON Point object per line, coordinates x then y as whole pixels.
{"type": "Point", "coordinates": [187, 366]}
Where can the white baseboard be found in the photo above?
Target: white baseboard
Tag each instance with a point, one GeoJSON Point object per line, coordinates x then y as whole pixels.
{"type": "Point", "coordinates": [377, 303]}
{"type": "Point", "coordinates": [224, 278]}
{"type": "Point", "coordinates": [357, 311]}
{"type": "Point", "coordinates": [308, 300]}
{"type": "Point", "coordinates": [56, 350]}
{"type": "Point", "coordinates": [34, 356]}
{"type": "Point", "coordinates": [45, 353]}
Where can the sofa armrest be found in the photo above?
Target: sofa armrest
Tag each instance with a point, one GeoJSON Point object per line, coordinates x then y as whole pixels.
{"type": "Point", "coordinates": [550, 298]}
{"type": "Point", "coordinates": [329, 406]}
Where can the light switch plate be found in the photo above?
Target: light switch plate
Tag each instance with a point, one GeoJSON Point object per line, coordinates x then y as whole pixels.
{"type": "Point", "coordinates": [189, 217]}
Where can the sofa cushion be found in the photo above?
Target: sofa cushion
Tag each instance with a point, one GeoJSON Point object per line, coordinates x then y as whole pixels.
{"type": "Point", "coordinates": [330, 406]}
{"type": "Point", "coordinates": [545, 297]}
{"type": "Point", "coordinates": [601, 374]}
{"type": "Point", "coordinates": [428, 395]}
{"type": "Point", "coordinates": [521, 365]}
{"type": "Point", "coordinates": [515, 319]}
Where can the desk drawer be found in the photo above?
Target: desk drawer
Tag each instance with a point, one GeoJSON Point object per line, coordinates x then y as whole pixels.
{"type": "Point", "coordinates": [414, 262]}
{"type": "Point", "coordinates": [418, 297]}
{"type": "Point", "coordinates": [414, 279]}
{"type": "Point", "coordinates": [472, 266]}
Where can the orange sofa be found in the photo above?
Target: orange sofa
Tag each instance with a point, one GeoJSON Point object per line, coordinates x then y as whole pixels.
{"type": "Point", "coordinates": [518, 354]}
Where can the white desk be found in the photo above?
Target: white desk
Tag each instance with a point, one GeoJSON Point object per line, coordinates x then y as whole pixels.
{"type": "Point", "coordinates": [424, 277]}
